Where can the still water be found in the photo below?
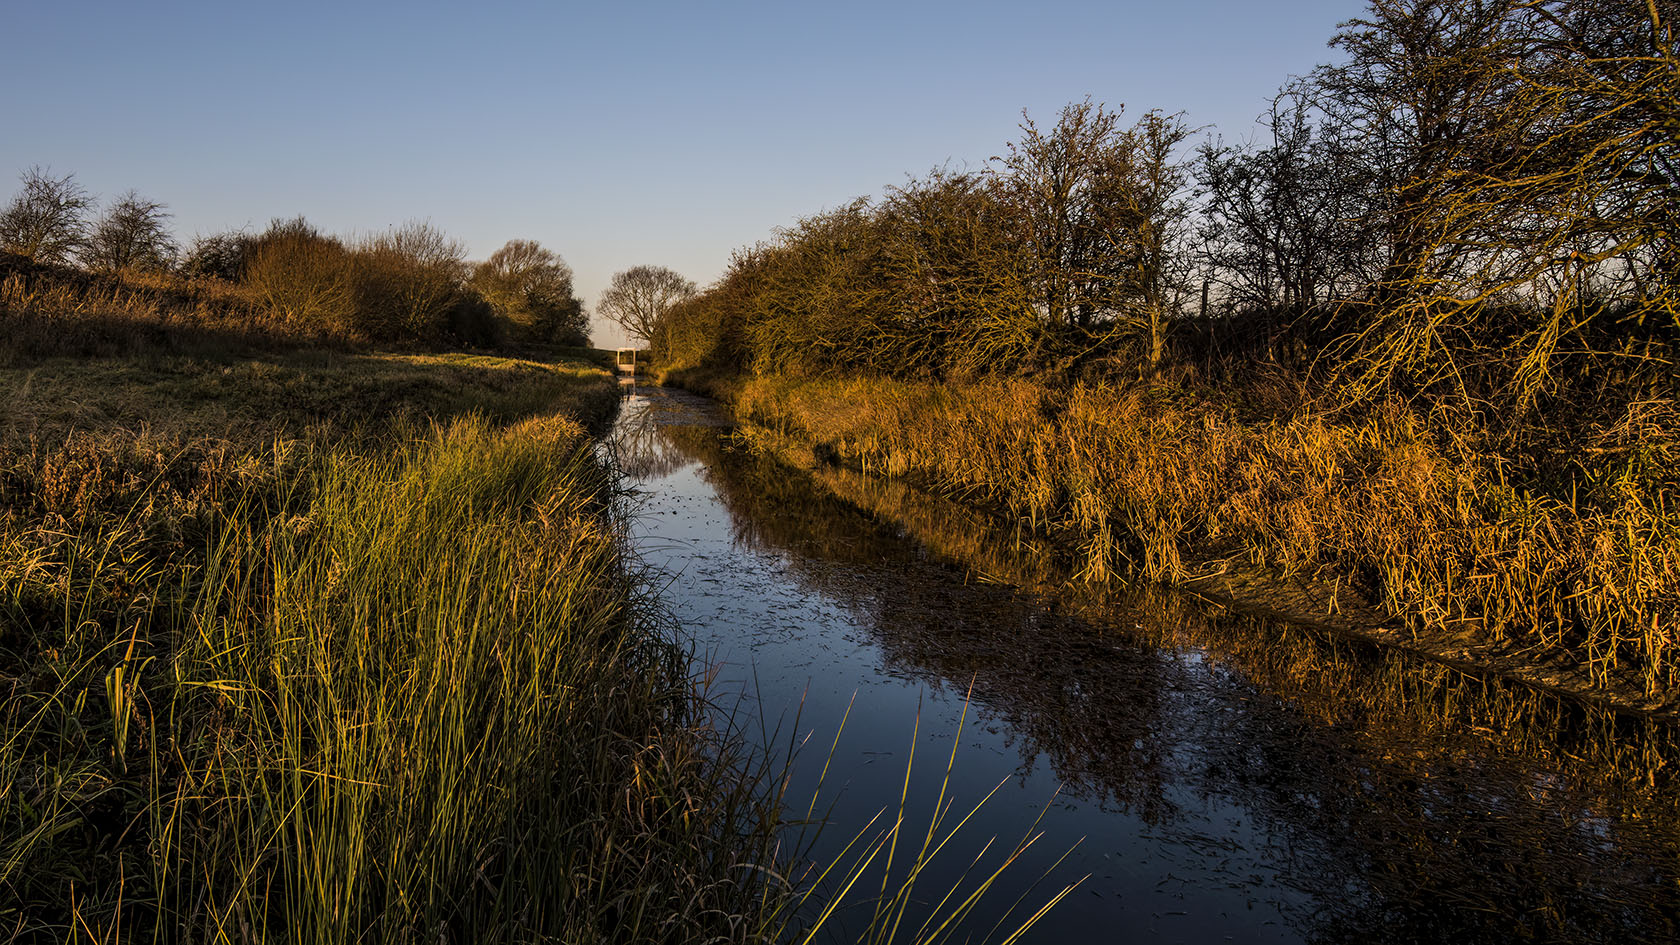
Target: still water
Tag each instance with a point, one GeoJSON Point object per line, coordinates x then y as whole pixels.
{"type": "Point", "coordinates": [1204, 776]}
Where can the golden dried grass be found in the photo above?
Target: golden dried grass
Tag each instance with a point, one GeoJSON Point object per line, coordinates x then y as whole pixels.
{"type": "Point", "coordinates": [1146, 483]}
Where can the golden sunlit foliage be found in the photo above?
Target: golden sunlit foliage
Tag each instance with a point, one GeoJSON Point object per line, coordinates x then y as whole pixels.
{"type": "Point", "coordinates": [1173, 485]}
{"type": "Point", "coordinates": [290, 284]}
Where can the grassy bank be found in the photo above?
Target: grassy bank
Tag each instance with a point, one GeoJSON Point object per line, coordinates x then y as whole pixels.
{"type": "Point", "coordinates": [1183, 487]}
{"type": "Point", "coordinates": [327, 648]}
{"type": "Point", "coordinates": [288, 286]}
{"type": "Point", "coordinates": [311, 394]}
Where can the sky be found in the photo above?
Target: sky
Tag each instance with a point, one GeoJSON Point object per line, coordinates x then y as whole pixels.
{"type": "Point", "coordinates": [614, 133]}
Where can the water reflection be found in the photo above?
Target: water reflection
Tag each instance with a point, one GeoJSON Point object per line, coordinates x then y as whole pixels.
{"type": "Point", "coordinates": [1234, 777]}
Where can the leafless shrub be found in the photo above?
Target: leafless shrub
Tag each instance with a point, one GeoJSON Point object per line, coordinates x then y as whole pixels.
{"type": "Point", "coordinates": [133, 234]}
{"type": "Point", "coordinates": [46, 222]}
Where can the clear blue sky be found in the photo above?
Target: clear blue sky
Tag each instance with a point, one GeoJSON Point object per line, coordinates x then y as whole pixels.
{"type": "Point", "coordinates": [613, 133]}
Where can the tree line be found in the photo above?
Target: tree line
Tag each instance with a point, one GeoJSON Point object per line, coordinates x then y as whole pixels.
{"type": "Point", "coordinates": [1479, 201]}
{"type": "Point", "coordinates": [412, 284]}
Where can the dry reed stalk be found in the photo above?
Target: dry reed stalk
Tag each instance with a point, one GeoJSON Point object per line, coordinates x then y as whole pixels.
{"type": "Point", "coordinates": [1140, 483]}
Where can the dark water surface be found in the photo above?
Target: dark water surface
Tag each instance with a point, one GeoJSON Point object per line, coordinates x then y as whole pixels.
{"type": "Point", "coordinates": [1218, 777]}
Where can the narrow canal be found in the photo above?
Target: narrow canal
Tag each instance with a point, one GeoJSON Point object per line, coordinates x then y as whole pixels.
{"type": "Point", "coordinates": [1217, 777]}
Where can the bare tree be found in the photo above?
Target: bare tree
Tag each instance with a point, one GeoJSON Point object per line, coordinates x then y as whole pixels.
{"type": "Point", "coordinates": [219, 256]}
{"type": "Point", "coordinates": [1516, 151]}
{"type": "Point", "coordinates": [132, 234]}
{"type": "Point", "coordinates": [1060, 186]}
{"type": "Point", "coordinates": [1151, 199]}
{"type": "Point", "coordinates": [46, 222]}
{"type": "Point", "coordinates": [640, 296]}
{"type": "Point", "coordinates": [1605, 77]}
{"type": "Point", "coordinates": [1274, 218]}
{"type": "Point", "coordinates": [1425, 88]}
{"type": "Point", "coordinates": [1100, 211]}
{"type": "Point", "coordinates": [1432, 91]}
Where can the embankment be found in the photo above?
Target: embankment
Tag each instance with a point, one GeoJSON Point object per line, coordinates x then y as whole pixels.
{"type": "Point", "coordinates": [1369, 526]}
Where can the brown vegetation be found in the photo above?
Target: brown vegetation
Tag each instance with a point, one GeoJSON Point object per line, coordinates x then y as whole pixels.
{"type": "Point", "coordinates": [120, 284]}
{"type": "Point", "coordinates": [1174, 486]}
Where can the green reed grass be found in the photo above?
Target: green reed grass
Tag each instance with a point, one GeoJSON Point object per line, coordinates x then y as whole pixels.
{"type": "Point", "coordinates": [415, 696]}
{"type": "Point", "coordinates": [872, 874]}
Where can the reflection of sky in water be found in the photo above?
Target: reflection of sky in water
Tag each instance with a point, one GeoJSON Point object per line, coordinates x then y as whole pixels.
{"type": "Point", "coordinates": [1203, 808]}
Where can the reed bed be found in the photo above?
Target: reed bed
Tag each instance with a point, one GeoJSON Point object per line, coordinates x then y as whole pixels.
{"type": "Point", "coordinates": [1142, 480]}
{"type": "Point", "coordinates": [411, 695]}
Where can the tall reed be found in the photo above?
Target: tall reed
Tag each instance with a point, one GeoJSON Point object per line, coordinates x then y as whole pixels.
{"type": "Point", "coordinates": [870, 872]}
{"type": "Point", "coordinates": [1172, 488]}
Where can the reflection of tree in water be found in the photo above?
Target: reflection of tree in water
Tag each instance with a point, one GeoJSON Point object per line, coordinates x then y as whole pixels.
{"type": "Point", "coordinates": [1414, 803]}
{"type": "Point", "coordinates": [638, 447]}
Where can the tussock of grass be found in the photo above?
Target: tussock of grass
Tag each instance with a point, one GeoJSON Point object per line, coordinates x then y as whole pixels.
{"type": "Point", "coordinates": [1166, 487]}
{"type": "Point", "coordinates": [872, 872]}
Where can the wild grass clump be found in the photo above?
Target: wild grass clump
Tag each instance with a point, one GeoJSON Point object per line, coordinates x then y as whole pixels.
{"type": "Point", "coordinates": [1145, 481]}
{"type": "Point", "coordinates": [414, 695]}
{"type": "Point", "coordinates": [871, 873]}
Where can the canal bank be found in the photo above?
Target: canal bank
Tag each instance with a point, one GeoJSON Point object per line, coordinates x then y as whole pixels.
{"type": "Point", "coordinates": [1363, 527]}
